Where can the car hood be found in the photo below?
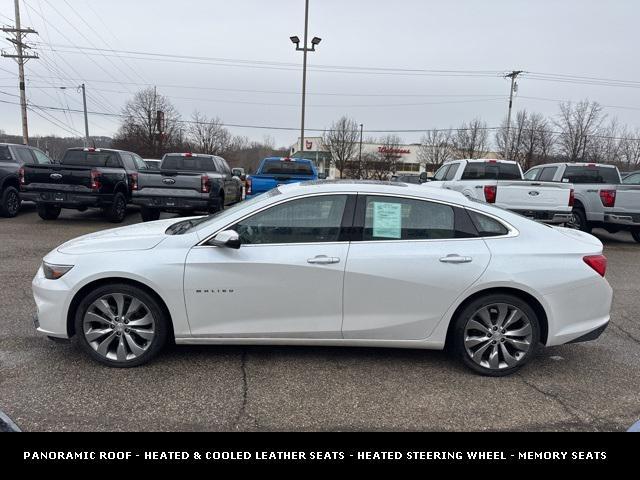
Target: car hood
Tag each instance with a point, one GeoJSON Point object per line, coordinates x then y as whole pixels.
{"type": "Point", "coordinates": [142, 236]}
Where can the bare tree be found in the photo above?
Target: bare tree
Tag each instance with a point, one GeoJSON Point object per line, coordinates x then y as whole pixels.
{"type": "Point", "coordinates": [208, 135]}
{"type": "Point", "coordinates": [341, 141]}
{"type": "Point", "coordinates": [530, 140]}
{"type": "Point", "coordinates": [606, 146]}
{"type": "Point", "coordinates": [146, 132]}
{"type": "Point", "coordinates": [471, 140]}
{"type": "Point", "coordinates": [577, 123]}
{"type": "Point", "coordinates": [435, 148]}
{"type": "Point", "coordinates": [385, 161]}
{"type": "Point", "coordinates": [630, 149]}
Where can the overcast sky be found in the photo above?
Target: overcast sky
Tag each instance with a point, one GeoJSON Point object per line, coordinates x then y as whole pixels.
{"type": "Point", "coordinates": [585, 38]}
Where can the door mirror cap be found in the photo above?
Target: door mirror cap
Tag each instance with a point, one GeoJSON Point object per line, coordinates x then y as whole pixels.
{"type": "Point", "coordinates": [226, 239]}
{"type": "Point", "coordinates": [322, 176]}
{"type": "Point", "coordinates": [424, 177]}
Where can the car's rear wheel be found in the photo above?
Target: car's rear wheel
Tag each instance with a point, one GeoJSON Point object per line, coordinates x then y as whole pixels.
{"type": "Point", "coordinates": [579, 220]}
{"type": "Point", "coordinates": [496, 335]}
{"type": "Point", "coordinates": [117, 211]}
{"type": "Point", "coordinates": [218, 206]}
{"type": "Point", "coordinates": [10, 202]}
{"type": "Point", "coordinates": [48, 212]}
{"type": "Point", "coordinates": [121, 326]}
{"type": "Point", "coordinates": [149, 214]}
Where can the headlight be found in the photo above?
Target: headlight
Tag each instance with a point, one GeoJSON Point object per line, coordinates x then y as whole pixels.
{"type": "Point", "coordinates": [54, 272]}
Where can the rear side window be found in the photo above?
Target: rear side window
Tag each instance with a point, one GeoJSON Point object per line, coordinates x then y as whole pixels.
{"type": "Point", "coordinates": [24, 155]}
{"type": "Point", "coordinates": [491, 171]}
{"type": "Point", "coordinates": [286, 167]}
{"type": "Point", "coordinates": [41, 158]}
{"type": "Point", "coordinates": [441, 173]}
{"type": "Point", "coordinates": [532, 174]}
{"type": "Point", "coordinates": [395, 218]}
{"type": "Point", "coordinates": [189, 164]}
{"type": "Point", "coordinates": [582, 174]}
{"type": "Point", "coordinates": [487, 226]}
{"type": "Point", "coordinates": [91, 159]}
{"type": "Point", "coordinates": [5, 154]}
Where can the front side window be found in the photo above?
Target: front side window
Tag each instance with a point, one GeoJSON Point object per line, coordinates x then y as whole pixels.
{"type": "Point", "coordinates": [306, 220]}
{"type": "Point", "coordinates": [453, 169]}
{"type": "Point", "coordinates": [394, 218]}
{"type": "Point", "coordinates": [532, 174]}
{"type": "Point", "coordinates": [441, 173]}
{"type": "Point", "coordinates": [632, 179]}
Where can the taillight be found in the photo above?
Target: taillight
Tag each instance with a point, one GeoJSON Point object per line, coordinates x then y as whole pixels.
{"type": "Point", "coordinates": [490, 192]}
{"type": "Point", "coordinates": [598, 263]}
{"type": "Point", "coordinates": [21, 176]}
{"type": "Point", "coordinates": [248, 186]}
{"type": "Point", "coordinates": [206, 184]}
{"type": "Point", "coordinates": [95, 180]}
{"type": "Point", "coordinates": [608, 198]}
{"type": "Point", "coordinates": [572, 197]}
{"type": "Point", "coordinates": [133, 181]}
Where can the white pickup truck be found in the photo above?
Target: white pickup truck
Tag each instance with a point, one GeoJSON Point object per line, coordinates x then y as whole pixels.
{"type": "Point", "coordinates": [601, 199]}
{"type": "Point", "coordinates": [501, 182]}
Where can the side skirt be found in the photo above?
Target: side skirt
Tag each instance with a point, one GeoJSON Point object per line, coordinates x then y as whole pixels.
{"type": "Point", "coordinates": [333, 342]}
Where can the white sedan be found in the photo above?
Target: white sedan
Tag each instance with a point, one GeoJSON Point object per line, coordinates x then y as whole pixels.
{"type": "Point", "coordinates": [330, 263]}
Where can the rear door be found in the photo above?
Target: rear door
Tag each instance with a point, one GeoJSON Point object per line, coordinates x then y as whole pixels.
{"type": "Point", "coordinates": [412, 260]}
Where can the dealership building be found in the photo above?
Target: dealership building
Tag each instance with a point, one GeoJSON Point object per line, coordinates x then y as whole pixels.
{"type": "Point", "coordinates": [314, 149]}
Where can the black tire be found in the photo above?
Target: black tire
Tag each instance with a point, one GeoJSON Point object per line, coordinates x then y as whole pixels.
{"type": "Point", "coordinates": [10, 202]}
{"type": "Point", "coordinates": [636, 235]}
{"type": "Point", "coordinates": [117, 211]}
{"type": "Point", "coordinates": [160, 331]}
{"type": "Point", "coordinates": [579, 221]}
{"type": "Point", "coordinates": [469, 314]}
{"type": "Point", "coordinates": [218, 206]}
{"type": "Point", "coordinates": [48, 212]}
{"type": "Point", "coordinates": [149, 214]}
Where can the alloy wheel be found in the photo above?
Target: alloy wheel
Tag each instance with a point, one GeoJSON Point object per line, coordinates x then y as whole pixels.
{"type": "Point", "coordinates": [498, 336]}
{"type": "Point", "coordinates": [13, 203]}
{"type": "Point", "coordinates": [119, 327]}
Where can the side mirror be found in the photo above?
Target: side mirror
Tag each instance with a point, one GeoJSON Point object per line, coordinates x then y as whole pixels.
{"type": "Point", "coordinates": [322, 176]}
{"type": "Point", "coordinates": [228, 239]}
{"type": "Point", "coordinates": [424, 177]}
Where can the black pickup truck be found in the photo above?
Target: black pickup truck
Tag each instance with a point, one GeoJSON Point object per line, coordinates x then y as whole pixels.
{"type": "Point", "coordinates": [12, 157]}
{"type": "Point", "coordinates": [85, 178]}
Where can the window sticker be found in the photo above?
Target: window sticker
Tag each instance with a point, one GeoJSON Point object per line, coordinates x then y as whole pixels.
{"type": "Point", "coordinates": [387, 220]}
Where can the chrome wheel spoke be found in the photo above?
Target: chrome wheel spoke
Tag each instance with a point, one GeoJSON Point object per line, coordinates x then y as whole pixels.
{"type": "Point", "coordinates": [477, 355]}
{"type": "Point", "coordinates": [121, 352]}
{"type": "Point", "coordinates": [94, 334]}
{"type": "Point", "coordinates": [103, 347]}
{"type": "Point", "coordinates": [91, 317]}
{"type": "Point", "coordinates": [494, 358]}
{"type": "Point", "coordinates": [520, 332]}
{"type": "Point", "coordinates": [119, 299]}
{"type": "Point", "coordinates": [135, 348]}
{"type": "Point", "coordinates": [104, 307]}
{"type": "Point", "coordinates": [141, 322]}
{"type": "Point", "coordinates": [143, 333]}
{"type": "Point", "coordinates": [133, 307]}
{"type": "Point", "coordinates": [473, 325]}
{"type": "Point", "coordinates": [503, 311]}
{"type": "Point", "coordinates": [509, 359]}
{"type": "Point", "coordinates": [521, 345]}
{"type": "Point", "coordinates": [471, 342]}
{"type": "Point", "coordinates": [512, 318]}
{"type": "Point", "coordinates": [485, 316]}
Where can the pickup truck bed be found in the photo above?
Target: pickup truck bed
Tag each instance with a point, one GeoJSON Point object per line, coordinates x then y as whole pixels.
{"type": "Point", "coordinates": [274, 171]}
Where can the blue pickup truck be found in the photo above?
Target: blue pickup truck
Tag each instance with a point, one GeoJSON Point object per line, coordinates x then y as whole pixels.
{"type": "Point", "coordinates": [274, 171]}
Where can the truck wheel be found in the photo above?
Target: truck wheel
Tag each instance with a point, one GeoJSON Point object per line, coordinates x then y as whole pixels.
{"type": "Point", "coordinates": [579, 221]}
{"type": "Point", "coordinates": [10, 202]}
{"type": "Point", "coordinates": [48, 212]}
{"type": "Point", "coordinates": [219, 206]}
{"type": "Point", "coordinates": [149, 214]}
{"type": "Point", "coordinates": [117, 211]}
{"type": "Point", "coordinates": [636, 235]}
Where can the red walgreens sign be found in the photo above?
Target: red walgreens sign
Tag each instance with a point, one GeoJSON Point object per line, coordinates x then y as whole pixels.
{"type": "Point", "coordinates": [393, 151]}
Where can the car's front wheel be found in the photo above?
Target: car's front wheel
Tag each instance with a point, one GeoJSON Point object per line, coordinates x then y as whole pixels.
{"type": "Point", "coordinates": [121, 325]}
{"type": "Point", "coordinates": [9, 202]}
{"type": "Point", "coordinates": [496, 335]}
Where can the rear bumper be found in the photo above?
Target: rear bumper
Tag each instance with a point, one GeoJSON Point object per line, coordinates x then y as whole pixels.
{"type": "Point", "coordinates": [623, 218]}
{"type": "Point", "coordinates": [175, 203]}
{"type": "Point", "coordinates": [546, 216]}
{"type": "Point", "coordinates": [66, 200]}
{"type": "Point", "coordinates": [592, 335]}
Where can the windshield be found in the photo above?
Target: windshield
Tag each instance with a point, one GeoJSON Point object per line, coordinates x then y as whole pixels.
{"type": "Point", "coordinates": [185, 226]}
{"type": "Point", "coordinates": [286, 167]}
{"type": "Point", "coordinates": [91, 159]}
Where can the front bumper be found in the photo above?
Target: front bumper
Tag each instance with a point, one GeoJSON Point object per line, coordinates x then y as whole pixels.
{"type": "Point", "coordinates": [52, 302]}
{"type": "Point", "coordinates": [546, 216]}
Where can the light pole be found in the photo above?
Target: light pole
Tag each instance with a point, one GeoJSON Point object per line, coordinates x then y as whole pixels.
{"type": "Point", "coordinates": [305, 49]}
{"type": "Point", "coordinates": [86, 116]}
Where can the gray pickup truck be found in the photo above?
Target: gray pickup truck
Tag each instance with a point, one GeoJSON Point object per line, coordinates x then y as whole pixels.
{"type": "Point", "coordinates": [12, 159]}
{"type": "Point", "coordinates": [601, 199]}
{"type": "Point", "coordinates": [187, 183]}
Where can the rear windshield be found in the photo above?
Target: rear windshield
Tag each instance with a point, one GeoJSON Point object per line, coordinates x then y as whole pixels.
{"type": "Point", "coordinates": [191, 164]}
{"type": "Point", "coordinates": [491, 171]}
{"type": "Point", "coordinates": [91, 159]}
{"type": "Point", "coordinates": [287, 168]}
{"type": "Point", "coordinates": [585, 174]}
{"type": "Point", "coordinates": [4, 153]}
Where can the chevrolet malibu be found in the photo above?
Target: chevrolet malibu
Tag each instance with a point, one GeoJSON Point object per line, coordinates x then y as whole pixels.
{"type": "Point", "coordinates": [330, 263]}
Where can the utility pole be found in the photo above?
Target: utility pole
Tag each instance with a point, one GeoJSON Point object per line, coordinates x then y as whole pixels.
{"type": "Point", "coordinates": [86, 116]}
{"type": "Point", "coordinates": [21, 58]}
{"type": "Point", "coordinates": [513, 75]}
{"type": "Point", "coordinates": [360, 153]}
{"type": "Point", "coordinates": [305, 49]}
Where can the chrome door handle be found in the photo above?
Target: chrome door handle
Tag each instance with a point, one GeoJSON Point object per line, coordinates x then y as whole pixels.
{"type": "Point", "coordinates": [456, 259]}
{"type": "Point", "coordinates": [323, 260]}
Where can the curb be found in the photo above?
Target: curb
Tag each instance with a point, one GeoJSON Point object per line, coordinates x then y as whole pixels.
{"type": "Point", "coordinates": [6, 424]}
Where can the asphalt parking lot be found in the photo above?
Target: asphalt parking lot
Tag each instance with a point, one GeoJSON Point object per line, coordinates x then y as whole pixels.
{"type": "Point", "coordinates": [48, 386]}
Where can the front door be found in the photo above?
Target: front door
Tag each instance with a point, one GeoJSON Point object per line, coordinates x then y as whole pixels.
{"type": "Point", "coordinates": [284, 282]}
{"type": "Point", "coordinates": [414, 260]}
